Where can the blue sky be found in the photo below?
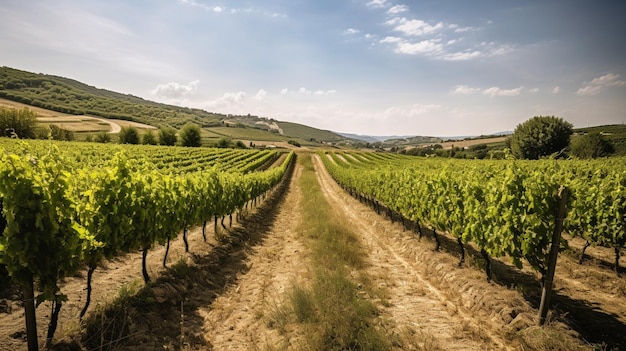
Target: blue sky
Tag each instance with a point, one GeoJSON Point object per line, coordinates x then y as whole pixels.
{"type": "Point", "coordinates": [377, 67]}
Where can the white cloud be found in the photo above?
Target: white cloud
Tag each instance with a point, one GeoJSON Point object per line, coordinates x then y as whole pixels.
{"type": "Point", "coordinates": [351, 31]}
{"type": "Point", "coordinates": [260, 95]}
{"type": "Point", "coordinates": [414, 27]}
{"type": "Point", "coordinates": [174, 90]}
{"type": "Point", "coordinates": [496, 91]}
{"type": "Point", "coordinates": [391, 40]}
{"type": "Point", "coordinates": [556, 90]}
{"type": "Point", "coordinates": [397, 9]}
{"type": "Point", "coordinates": [216, 9]}
{"type": "Point", "coordinates": [414, 110]}
{"type": "Point", "coordinates": [324, 92]}
{"type": "Point", "coordinates": [377, 3]}
{"type": "Point", "coordinates": [597, 85]}
{"type": "Point", "coordinates": [305, 91]}
{"type": "Point", "coordinates": [458, 29]}
{"type": "Point", "coordinates": [609, 80]}
{"type": "Point", "coordinates": [462, 56]}
{"type": "Point", "coordinates": [533, 90]}
{"type": "Point", "coordinates": [227, 100]}
{"type": "Point", "coordinates": [232, 11]}
{"type": "Point", "coordinates": [465, 89]}
{"type": "Point", "coordinates": [444, 40]}
{"type": "Point", "coordinates": [428, 47]}
{"type": "Point", "coordinates": [495, 49]}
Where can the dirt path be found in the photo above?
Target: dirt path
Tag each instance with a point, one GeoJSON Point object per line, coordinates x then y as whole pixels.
{"type": "Point", "coordinates": [115, 128]}
{"type": "Point", "coordinates": [240, 319]}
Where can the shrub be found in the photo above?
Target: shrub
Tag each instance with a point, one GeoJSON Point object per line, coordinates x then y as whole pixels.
{"type": "Point", "coordinates": [591, 145]}
{"type": "Point", "coordinates": [190, 135]}
{"type": "Point", "coordinates": [540, 136]}
{"type": "Point", "coordinates": [17, 122]}
{"type": "Point", "coordinates": [149, 138]}
{"type": "Point", "coordinates": [129, 135]}
{"type": "Point", "coordinates": [167, 136]}
{"type": "Point", "coordinates": [103, 137]}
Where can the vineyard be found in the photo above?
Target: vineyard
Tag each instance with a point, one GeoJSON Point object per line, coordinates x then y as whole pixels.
{"type": "Point", "coordinates": [66, 206]}
{"type": "Point", "coordinates": [504, 208]}
{"type": "Point", "coordinates": [82, 207]}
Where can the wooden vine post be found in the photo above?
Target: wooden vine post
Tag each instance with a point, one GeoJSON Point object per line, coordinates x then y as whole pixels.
{"type": "Point", "coordinates": [546, 294]}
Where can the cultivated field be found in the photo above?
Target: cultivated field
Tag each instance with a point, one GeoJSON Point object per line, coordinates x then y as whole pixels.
{"type": "Point", "coordinates": [247, 287]}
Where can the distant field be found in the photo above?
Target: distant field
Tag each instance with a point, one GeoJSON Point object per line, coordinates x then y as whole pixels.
{"type": "Point", "coordinates": [468, 143]}
{"type": "Point", "coordinates": [76, 123]}
{"type": "Point", "coordinates": [42, 112]}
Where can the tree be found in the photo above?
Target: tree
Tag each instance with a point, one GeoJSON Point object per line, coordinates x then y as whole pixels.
{"type": "Point", "coordinates": [591, 145]}
{"type": "Point", "coordinates": [20, 123]}
{"type": "Point", "coordinates": [129, 135]}
{"type": "Point", "coordinates": [149, 138]}
{"type": "Point", "coordinates": [540, 136]}
{"type": "Point", "coordinates": [223, 143]}
{"type": "Point", "coordinates": [167, 136]}
{"type": "Point", "coordinates": [190, 135]}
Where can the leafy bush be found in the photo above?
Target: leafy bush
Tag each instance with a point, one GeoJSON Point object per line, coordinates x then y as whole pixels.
{"type": "Point", "coordinates": [149, 138]}
{"type": "Point", "coordinates": [591, 145]}
{"type": "Point", "coordinates": [167, 136]}
{"type": "Point", "coordinates": [540, 136]}
{"type": "Point", "coordinates": [190, 135]}
{"type": "Point", "coordinates": [58, 133]}
{"type": "Point", "coordinates": [129, 135]}
{"type": "Point", "coordinates": [223, 143]}
{"type": "Point", "coordinates": [103, 137]}
{"type": "Point", "coordinates": [17, 122]}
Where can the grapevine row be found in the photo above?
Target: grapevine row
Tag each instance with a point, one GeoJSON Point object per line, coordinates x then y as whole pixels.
{"type": "Point", "coordinates": [58, 219]}
{"type": "Point", "coordinates": [506, 208]}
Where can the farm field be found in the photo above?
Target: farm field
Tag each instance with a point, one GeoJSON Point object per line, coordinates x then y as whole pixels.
{"type": "Point", "coordinates": [76, 123]}
{"type": "Point", "coordinates": [234, 290]}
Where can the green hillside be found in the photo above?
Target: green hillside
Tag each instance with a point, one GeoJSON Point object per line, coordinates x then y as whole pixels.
{"type": "Point", "coordinates": [296, 130]}
{"type": "Point", "coordinates": [283, 130]}
{"type": "Point", "coordinates": [73, 97]}
{"type": "Point", "coordinates": [69, 96]}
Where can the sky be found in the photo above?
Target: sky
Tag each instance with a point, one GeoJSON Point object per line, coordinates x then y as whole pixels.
{"type": "Point", "coordinates": [374, 67]}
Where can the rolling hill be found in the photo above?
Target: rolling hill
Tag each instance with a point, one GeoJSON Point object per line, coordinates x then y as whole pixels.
{"type": "Point", "coordinates": [70, 97]}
